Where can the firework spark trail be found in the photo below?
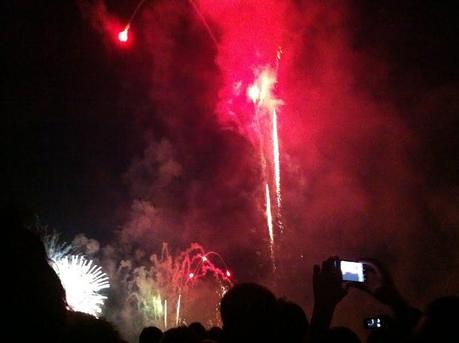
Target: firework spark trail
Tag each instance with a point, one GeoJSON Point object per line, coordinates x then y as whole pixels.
{"type": "Point", "coordinates": [276, 158]}
{"type": "Point", "coordinates": [276, 153]}
{"type": "Point", "coordinates": [268, 214]}
{"type": "Point", "coordinates": [157, 306]}
{"type": "Point", "coordinates": [260, 92]}
{"type": "Point", "coordinates": [204, 22]}
{"type": "Point", "coordinates": [55, 249]}
{"type": "Point", "coordinates": [196, 263]}
{"type": "Point", "coordinates": [269, 219]}
{"type": "Point", "coordinates": [82, 281]}
{"type": "Point", "coordinates": [124, 35]}
{"type": "Point", "coordinates": [163, 290]}
{"type": "Point", "coordinates": [165, 313]}
{"type": "Point", "coordinates": [277, 179]}
{"type": "Point", "coordinates": [177, 317]}
{"type": "Point", "coordinates": [257, 93]}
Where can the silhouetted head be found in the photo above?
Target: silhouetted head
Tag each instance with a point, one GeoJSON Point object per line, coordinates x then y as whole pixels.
{"type": "Point", "coordinates": [440, 321]}
{"type": "Point", "coordinates": [181, 334]}
{"type": "Point", "coordinates": [216, 334]}
{"type": "Point", "coordinates": [198, 329]}
{"type": "Point", "coordinates": [82, 327]}
{"type": "Point", "coordinates": [249, 313]}
{"type": "Point", "coordinates": [341, 335]}
{"type": "Point", "coordinates": [292, 321]}
{"type": "Point", "coordinates": [150, 334]}
{"type": "Point", "coordinates": [35, 289]}
{"type": "Point", "coordinates": [386, 335]}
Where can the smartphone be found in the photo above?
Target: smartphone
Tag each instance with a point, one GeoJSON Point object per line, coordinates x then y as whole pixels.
{"type": "Point", "coordinates": [375, 323]}
{"type": "Point", "coordinates": [353, 271]}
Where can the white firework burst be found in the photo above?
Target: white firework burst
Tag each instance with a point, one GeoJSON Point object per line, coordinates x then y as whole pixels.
{"type": "Point", "coordinates": [55, 249]}
{"type": "Point", "coordinates": [82, 280]}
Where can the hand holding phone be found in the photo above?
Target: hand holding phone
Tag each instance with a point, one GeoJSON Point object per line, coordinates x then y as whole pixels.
{"type": "Point", "coordinates": [327, 283]}
{"type": "Point", "coordinates": [383, 287]}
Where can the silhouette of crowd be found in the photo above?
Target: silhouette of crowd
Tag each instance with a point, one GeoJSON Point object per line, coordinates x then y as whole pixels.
{"type": "Point", "coordinates": [37, 310]}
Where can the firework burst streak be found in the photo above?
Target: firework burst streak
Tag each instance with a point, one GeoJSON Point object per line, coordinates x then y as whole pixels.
{"type": "Point", "coordinates": [82, 280]}
{"type": "Point", "coordinates": [167, 292]}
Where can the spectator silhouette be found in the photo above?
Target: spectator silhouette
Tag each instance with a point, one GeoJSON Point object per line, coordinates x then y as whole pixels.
{"type": "Point", "coordinates": [405, 317]}
{"type": "Point", "coordinates": [249, 314]}
{"type": "Point", "coordinates": [341, 335]}
{"type": "Point", "coordinates": [180, 334]}
{"type": "Point", "coordinates": [34, 288]}
{"type": "Point", "coordinates": [292, 321]}
{"type": "Point", "coordinates": [150, 334]}
{"type": "Point", "coordinates": [84, 328]}
{"type": "Point", "coordinates": [39, 297]}
{"type": "Point", "coordinates": [384, 335]}
{"type": "Point", "coordinates": [439, 324]}
{"type": "Point", "coordinates": [198, 329]}
{"type": "Point", "coordinates": [215, 334]}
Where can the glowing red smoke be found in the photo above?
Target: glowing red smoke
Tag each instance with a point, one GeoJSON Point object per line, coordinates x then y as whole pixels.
{"type": "Point", "coordinates": [251, 35]}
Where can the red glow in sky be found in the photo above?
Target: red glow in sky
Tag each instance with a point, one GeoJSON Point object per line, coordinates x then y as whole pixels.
{"type": "Point", "coordinates": [252, 33]}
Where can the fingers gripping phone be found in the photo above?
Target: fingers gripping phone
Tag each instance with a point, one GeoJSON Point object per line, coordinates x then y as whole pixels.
{"type": "Point", "coordinates": [353, 271]}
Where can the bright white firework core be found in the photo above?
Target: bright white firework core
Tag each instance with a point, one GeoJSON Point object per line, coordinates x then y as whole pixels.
{"type": "Point", "coordinates": [82, 280]}
{"type": "Point", "coordinates": [123, 36]}
{"type": "Point", "coordinates": [253, 92]}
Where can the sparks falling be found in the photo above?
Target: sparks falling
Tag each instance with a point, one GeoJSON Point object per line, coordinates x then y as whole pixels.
{"type": "Point", "coordinates": [55, 249]}
{"type": "Point", "coordinates": [177, 311]}
{"type": "Point", "coordinates": [266, 104]}
{"type": "Point", "coordinates": [164, 291]}
{"type": "Point", "coordinates": [277, 176]}
{"type": "Point", "coordinates": [269, 221]}
{"type": "Point", "coordinates": [165, 313]}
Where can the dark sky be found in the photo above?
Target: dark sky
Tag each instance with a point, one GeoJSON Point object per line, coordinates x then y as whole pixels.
{"type": "Point", "coordinates": [64, 136]}
{"type": "Point", "coordinates": [69, 134]}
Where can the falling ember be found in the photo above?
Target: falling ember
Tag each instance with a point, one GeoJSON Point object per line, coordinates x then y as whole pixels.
{"type": "Point", "coordinates": [265, 119]}
{"type": "Point", "coordinates": [123, 35]}
{"type": "Point", "coordinates": [165, 313]}
{"type": "Point", "coordinates": [177, 314]}
{"type": "Point", "coordinates": [276, 158]}
{"type": "Point", "coordinates": [269, 220]}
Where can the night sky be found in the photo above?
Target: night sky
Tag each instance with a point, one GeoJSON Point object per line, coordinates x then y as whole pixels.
{"type": "Point", "coordinates": [81, 114]}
